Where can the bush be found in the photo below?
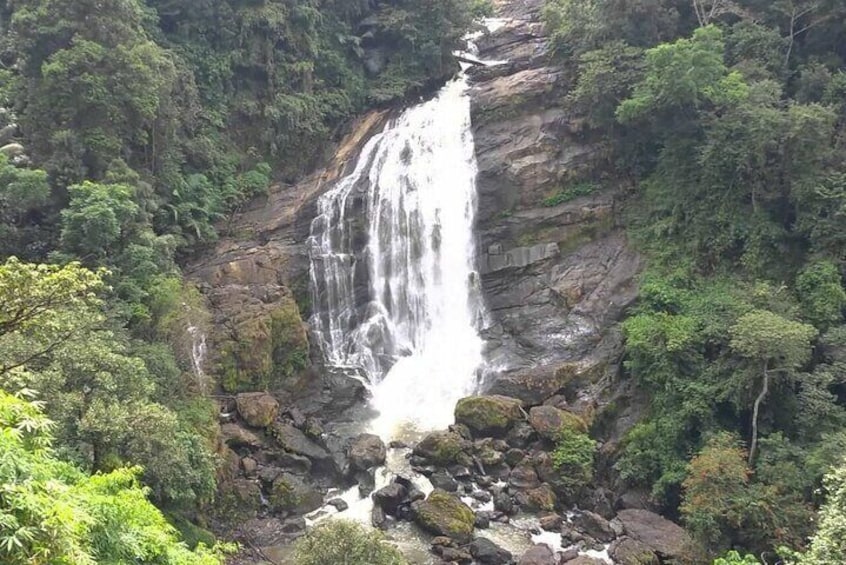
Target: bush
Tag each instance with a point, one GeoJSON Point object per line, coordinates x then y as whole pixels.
{"type": "Point", "coordinates": [573, 456]}
{"type": "Point", "coordinates": [341, 541]}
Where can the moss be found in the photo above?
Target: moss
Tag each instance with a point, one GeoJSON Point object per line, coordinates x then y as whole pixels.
{"type": "Point", "coordinates": [441, 448]}
{"type": "Point", "coordinates": [572, 422]}
{"type": "Point", "coordinates": [444, 514]}
{"type": "Point", "coordinates": [268, 349]}
{"type": "Point", "coordinates": [488, 414]}
{"type": "Point", "coordinates": [283, 496]}
{"type": "Point", "coordinates": [571, 192]}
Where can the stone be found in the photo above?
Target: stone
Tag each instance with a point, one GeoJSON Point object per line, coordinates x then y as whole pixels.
{"type": "Point", "coordinates": [548, 422]}
{"type": "Point", "coordinates": [378, 519]}
{"type": "Point", "coordinates": [258, 409]}
{"type": "Point", "coordinates": [236, 436]}
{"type": "Point", "coordinates": [366, 451]}
{"type": "Point", "coordinates": [455, 555]}
{"type": "Point", "coordinates": [538, 499]}
{"type": "Point", "coordinates": [390, 497]}
{"type": "Point", "coordinates": [487, 552]}
{"type": "Point", "coordinates": [295, 441]}
{"type": "Point", "coordinates": [294, 525]}
{"type": "Point", "coordinates": [339, 504]}
{"type": "Point", "coordinates": [594, 525]}
{"type": "Point", "coordinates": [551, 522]}
{"type": "Point", "coordinates": [514, 456]}
{"type": "Point", "coordinates": [503, 503]}
{"type": "Point", "coordinates": [442, 541]}
{"type": "Point", "coordinates": [521, 435]}
{"type": "Point", "coordinates": [290, 493]}
{"type": "Point", "coordinates": [441, 448]}
{"type": "Point", "coordinates": [488, 415]}
{"type": "Point", "coordinates": [628, 551]}
{"type": "Point", "coordinates": [443, 481]}
{"type": "Point", "coordinates": [539, 554]}
{"type": "Point", "coordinates": [249, 465]}
{"type": "Point", "coordinates": [670, 541]}
{"type": "Point", "coordinates": [483, 520]}
{"type": "Point", "coordinates": [444, 514]}
{"type": "Point", "coordinates": [523, 477]}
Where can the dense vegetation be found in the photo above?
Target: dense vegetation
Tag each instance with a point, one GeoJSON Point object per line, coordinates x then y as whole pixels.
{"type": "Point", "coordinates": [342, 541]}
{"type": "Point", "coordinates": [130, 130]}
{"type": "Point", "coordinates": [729, 118]}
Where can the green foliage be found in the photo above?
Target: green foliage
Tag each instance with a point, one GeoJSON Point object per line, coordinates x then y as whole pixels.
{"type": "Point", "coordinates": [573, 458]}
{"type": "Point", "coordinates": [828, 546]}
{"type": "Point", "coordinates": [50, 512]}
{"type": "Point", "coordinates": [821, 293]}
{"type": "Point", "coordinates": [341, 541]}
{"type": "Point", "coordinates": [735, 558]}
{"type": "Point", "coordinates": [53, 339]}
{"type": "Point", "coordinates": [570, 193]}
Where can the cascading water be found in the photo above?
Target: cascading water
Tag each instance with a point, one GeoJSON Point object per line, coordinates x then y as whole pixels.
{"type": "Point", "coordinates": [198, 355]}
{"type": "Point", "coordinates": [416, 336]}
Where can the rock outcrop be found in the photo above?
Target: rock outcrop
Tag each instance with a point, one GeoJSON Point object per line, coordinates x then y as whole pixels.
{"type": "Point", "coordinates": [444, 514]}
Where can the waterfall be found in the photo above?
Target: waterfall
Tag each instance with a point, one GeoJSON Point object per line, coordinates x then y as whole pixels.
{"type": "Point", "coordinates": [198, 355]}
{"type": "Point", "coordinates": [405, 305]}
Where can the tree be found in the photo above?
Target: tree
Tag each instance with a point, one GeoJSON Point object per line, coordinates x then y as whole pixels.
{"type": "Point", "coordinates": [23, 195]}
{"type": "Point", "coordinates": [828, 546]}
{"type": "Point", "coordinates": [50, 512]}
{"type": "Point", "coordinates": [777, 346]}
{"type": "Point", "coordinates": [43, 307]}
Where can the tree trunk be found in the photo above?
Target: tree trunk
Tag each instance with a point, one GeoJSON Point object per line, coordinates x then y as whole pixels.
{"type": "Point", "coordinates": [764, 390]}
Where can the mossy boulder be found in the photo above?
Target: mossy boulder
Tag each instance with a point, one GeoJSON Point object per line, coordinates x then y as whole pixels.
{"type": "Point", "coordinates": [267, 348]}
{"type": "Point", "coordinates": [443, 514]}
{"type": "Point", "coordinates": [441, 448]}
{"type": "Point", "coordinates": [548, 421]}
{"type": "Point", "coordinates": [488, 415]}
{"type": "Point", "coordinates": [290, 493]}
{"type": "Point", "coordinates": [258, 409]}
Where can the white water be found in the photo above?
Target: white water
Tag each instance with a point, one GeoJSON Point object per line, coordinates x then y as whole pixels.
{"type": "Point", "coordinates": [198, 355]}
{"type": "Point", "coordinates": [417, 338]}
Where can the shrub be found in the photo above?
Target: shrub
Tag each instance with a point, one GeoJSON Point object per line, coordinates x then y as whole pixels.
{"type": "Point", "coordinates": [341, 541]}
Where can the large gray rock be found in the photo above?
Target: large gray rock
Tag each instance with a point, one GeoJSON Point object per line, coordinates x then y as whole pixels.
{"type": "Point", "coordinates": [668, 540]}
{"type": "Point", "coordinates": [628, 551]}
{"type": "Point", "coordinates": [488, 415]}
{"type": "Point", "coordinates": [258, 409]}
{"type": "Point", "coordinates": [366, 451]}
{"type": "Point", "coordinates": [594, 525]}
{"type": "Point", "coordinates": [441, 447]}
{"type": "Point", "coordinates": [295, 441]}
{"type": "Point", "coordinates": [538, 555]}
{"type": "Point", "coordinates": [487, 552]}
{"type": "Point", "coordinates": [549, 421]}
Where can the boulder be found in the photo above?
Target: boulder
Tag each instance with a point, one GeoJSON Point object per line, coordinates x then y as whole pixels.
{"type": "Point", "coordinates": [390, 497]}
{"type": "Point", "coordinates": [537, 499]}
{"type": "Point", "coordinates": [443, 481]}
{"type": "Point", "coordinates": [533, 386]}
{"type": "Point", "coordinates": [237, 436]}
{"type": "Point", "coordinates": [454, 555]}
{"type": "Point", "coordinates": [441, 448]}
{"type": "Point", "coordinates": [488, 415]}
{"type": "Point", "coordinates": [366, 451]}
{"type": "Point", "coordinates": [551, 522]}
{"type": "Point", "coordinates": [258, 409]}
{"type": "Point", "coordinates": [628, 551]}
{"type": "Point", "coordinates": [444, 514]}
{"type": "Point", "coordinates": [594, 525]}
{"type": "Point", "coordinates": [521, 435]}
{"type": "Point", "coordinates": [488, 553]}
{"type": "Point", "coordinates": [548, 421]}
{"type": "Point", "coordinates": [539, 554]}
{"type": "Point", "coordinates": [290, 493]}
{"type": "Point", "coordinates": [295, 441]}
{"type": "Point", "coordinates": [523, 477]}
{"type": "Point", "coordinates": [670, 541]}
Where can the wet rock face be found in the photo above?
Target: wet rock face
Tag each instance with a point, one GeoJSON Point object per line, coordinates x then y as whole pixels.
{"type": "Point", "coordinates": [557, 270]}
